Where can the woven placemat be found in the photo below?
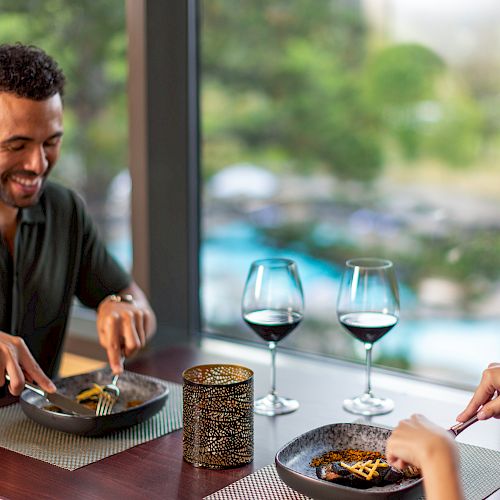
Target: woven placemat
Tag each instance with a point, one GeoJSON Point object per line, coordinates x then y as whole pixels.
{"type": "Point", "coordinates": [264, 484]}
{"type": "Point", "coordinates": [20, 434]}
{"type": "Point", "coordinates": [479, 469]}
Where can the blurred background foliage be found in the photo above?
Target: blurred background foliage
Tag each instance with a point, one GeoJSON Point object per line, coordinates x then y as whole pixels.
{"type": "Point", "coordinates": [307, 88]}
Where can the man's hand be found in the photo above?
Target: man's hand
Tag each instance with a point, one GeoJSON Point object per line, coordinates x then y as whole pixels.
{"type": "Point", "coordinates": [485, 398]}
{"type": "Point", "coordinates": [123, 327]}
{"type": "Point", "coordinates": [18, 362]}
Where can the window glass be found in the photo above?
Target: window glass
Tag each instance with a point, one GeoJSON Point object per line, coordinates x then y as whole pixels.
{"type": "Point", "coordinates": [88, 40]}
{"type": "Point", "coordinates": [342, 128]}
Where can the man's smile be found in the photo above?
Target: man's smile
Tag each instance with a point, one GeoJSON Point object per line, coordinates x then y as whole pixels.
{"type": "Point", "coordinates": [26, 181]}
{"type": "Point", "coordinates": [24, 185]}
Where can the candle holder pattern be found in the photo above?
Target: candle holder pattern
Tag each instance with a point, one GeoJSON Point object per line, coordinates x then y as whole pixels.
{"type": "Point", "coordinates": [218, 416]}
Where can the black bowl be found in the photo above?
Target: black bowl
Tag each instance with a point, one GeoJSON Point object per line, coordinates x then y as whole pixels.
{"type": "Point", "coordinates": [292, 463]}
{"type": "Point", "coordinates": [133, 386]}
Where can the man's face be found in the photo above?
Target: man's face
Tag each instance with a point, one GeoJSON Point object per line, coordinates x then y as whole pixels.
{"type": "Point", "coordinates": [30, 141]}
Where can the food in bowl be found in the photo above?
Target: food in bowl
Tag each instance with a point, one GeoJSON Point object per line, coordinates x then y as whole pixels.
{"type": "Point", "coordinates": [359, 469]}
{"type": "Point", "coordinates": [347, 455]}
{"type": "Point", "coordinates": [89, 397]}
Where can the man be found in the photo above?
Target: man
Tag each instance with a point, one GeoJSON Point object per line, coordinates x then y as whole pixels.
{"type": "Point", "coordinates": [49, 249]}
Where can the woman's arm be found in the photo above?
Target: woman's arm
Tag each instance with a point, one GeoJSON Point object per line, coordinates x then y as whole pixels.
{"type": "Point", "coordinates": [417, 441]}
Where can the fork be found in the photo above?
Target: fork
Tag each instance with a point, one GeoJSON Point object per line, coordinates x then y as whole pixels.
{"type": "Point", "coordinates": [108, 398]}
{"type": "Point", "coordinates": [456, 429]}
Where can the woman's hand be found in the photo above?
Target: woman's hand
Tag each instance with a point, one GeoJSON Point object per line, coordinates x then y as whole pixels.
{"type": "Point", "coordinates": [484, 399]}
{"type": "Point", "coordinates": [415, 440]}
{"type": "Point", "coordinates": [19, 363]}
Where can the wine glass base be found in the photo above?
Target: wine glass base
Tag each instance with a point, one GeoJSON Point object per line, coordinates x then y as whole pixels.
{"type": "Point", "coordinates": [368, 405]}
{"type": "Point", "coordinates": [272, 405]}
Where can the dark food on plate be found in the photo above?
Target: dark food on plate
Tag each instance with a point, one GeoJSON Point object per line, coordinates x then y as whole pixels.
{"type": "Point", "coordinates": [89, 397]}
{"type": "Point", "coordinates": [360, 474]}
{"type": "Point", "coordinates": [358, 469]}
{"type": "Point", "coordinates": [348, 455]}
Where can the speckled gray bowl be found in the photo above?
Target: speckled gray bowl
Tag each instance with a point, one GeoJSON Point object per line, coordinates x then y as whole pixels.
{"type": "Point", "coordinates": [133, 386]}
{"type": "Point", "coordinates": [292, 463]}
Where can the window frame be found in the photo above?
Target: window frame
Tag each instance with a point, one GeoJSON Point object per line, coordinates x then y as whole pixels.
{"type": "Point", "coordinates": [164, 162]}
{"type": "Point", "coordinates": [163, 111]}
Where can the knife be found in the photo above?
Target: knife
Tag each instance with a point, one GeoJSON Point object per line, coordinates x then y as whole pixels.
{"type": "Point", "coordinates": [57, 399]}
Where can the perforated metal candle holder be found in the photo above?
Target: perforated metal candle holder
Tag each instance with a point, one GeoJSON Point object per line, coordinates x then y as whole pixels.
{"type": "Point", "coordinates": [218, 416]}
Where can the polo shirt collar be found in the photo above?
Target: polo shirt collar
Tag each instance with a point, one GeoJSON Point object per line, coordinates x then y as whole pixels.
{"type": "Point", "coordinates": [33, 215]}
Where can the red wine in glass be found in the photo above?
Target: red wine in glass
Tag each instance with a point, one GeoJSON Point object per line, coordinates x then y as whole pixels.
{"type": "Point", "coordinates": [368, 307]}
{"type": "Point", "coordinates": [272, 325]}
{"type": "Point", "coordinates": [368, 326]}
{"type": "Point", "coordinates": [272, 306]}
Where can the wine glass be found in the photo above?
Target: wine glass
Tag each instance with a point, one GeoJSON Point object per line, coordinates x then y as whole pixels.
{"type": "Point", "coordinates": [368, 307]}
{"type": "Point", "coordinates": [272, 306]}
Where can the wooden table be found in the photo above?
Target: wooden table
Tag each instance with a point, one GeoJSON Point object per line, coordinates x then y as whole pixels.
{"type": "Point", "coordinates": [156, 470]}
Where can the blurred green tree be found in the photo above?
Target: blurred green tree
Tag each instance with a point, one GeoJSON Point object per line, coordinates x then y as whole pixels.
{"type": "Point", "coordinates": [288, 85]}
{"type": "Point", "coordinates": [283, 81]}
{"type": "Point", "coordinates": [422, 108]}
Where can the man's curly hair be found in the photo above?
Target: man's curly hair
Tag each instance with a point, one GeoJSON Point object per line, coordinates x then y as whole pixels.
{"type": "Point", "coordinates": [27, 71]}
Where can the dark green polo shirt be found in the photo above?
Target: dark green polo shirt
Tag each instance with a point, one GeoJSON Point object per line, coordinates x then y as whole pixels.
{"type": "Point", "coordinates": [58, 255]}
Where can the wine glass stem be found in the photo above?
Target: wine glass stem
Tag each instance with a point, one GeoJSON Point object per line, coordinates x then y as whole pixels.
{"type": "Point", "coordinates": [368, 349]}
{"type": "Point", "coordinates": [272, 349]}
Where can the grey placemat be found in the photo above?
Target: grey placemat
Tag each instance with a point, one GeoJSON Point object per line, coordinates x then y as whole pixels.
{"type": "Point", "coordinates": [263, 484]}
{"type": "Point", "coordinates": [479, 469]}
{"type": "Point", "coordinates": [20, 434]}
